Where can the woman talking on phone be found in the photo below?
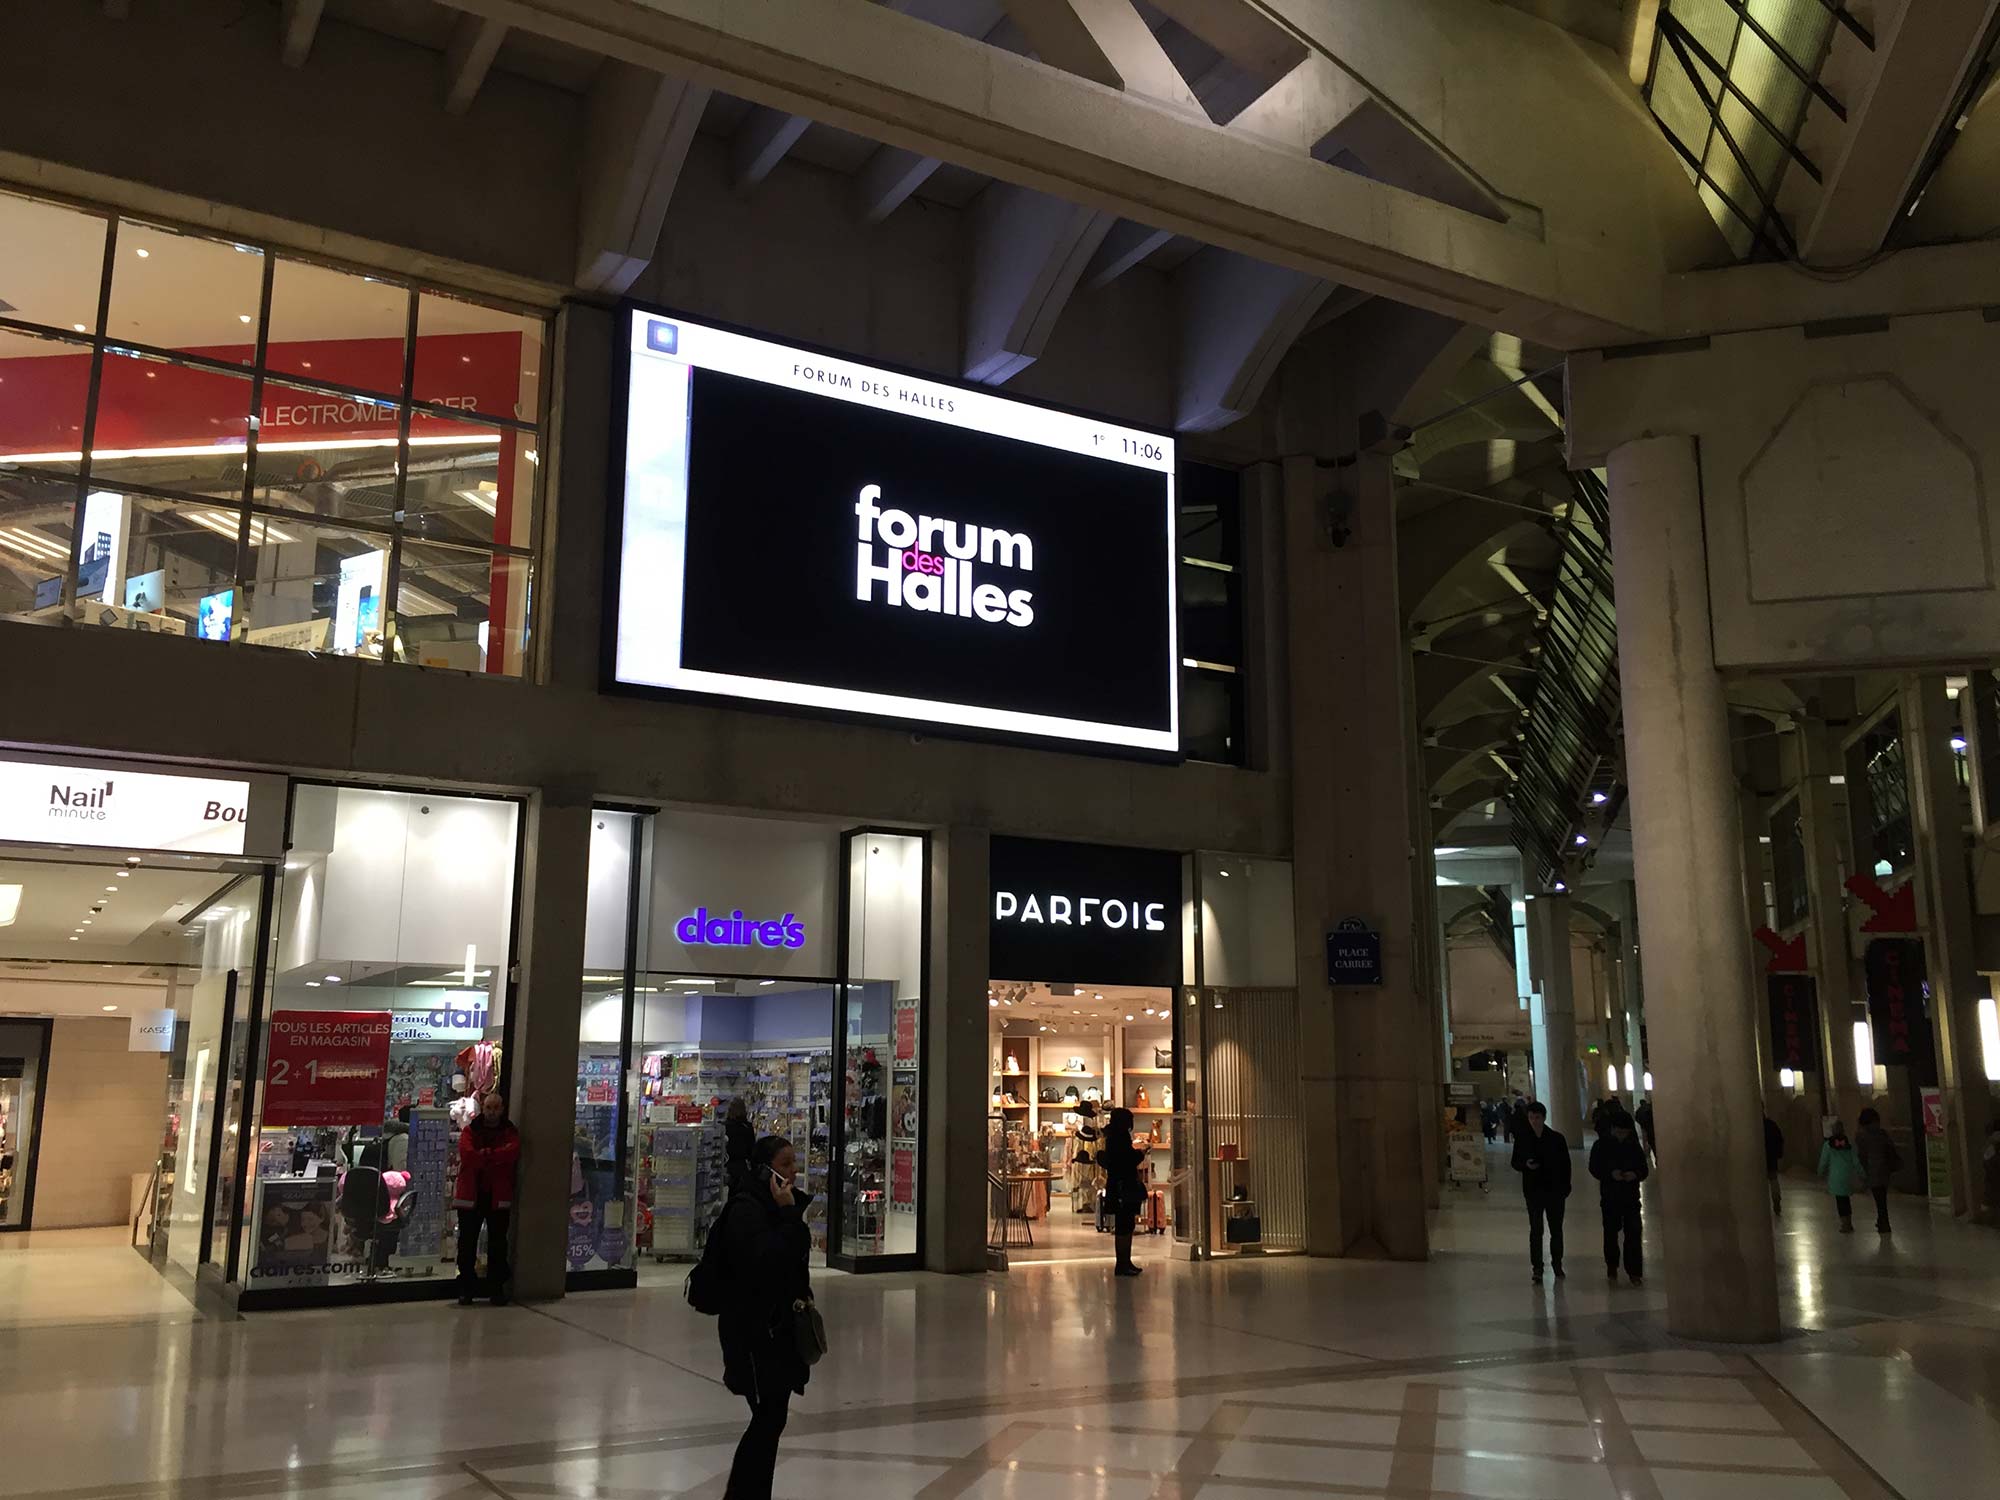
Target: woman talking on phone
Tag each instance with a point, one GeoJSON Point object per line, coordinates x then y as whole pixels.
{"type": "Point", "coordinates": [765, 1243]}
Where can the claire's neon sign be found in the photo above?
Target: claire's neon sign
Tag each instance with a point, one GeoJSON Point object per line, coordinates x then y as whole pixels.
{"type": "Point", "coordinates": [699, 929]}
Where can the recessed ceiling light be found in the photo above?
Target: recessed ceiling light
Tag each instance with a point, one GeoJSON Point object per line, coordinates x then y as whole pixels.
{"type": "Point", "coordinates": [111, 890]}
{"type": "Point", "coordinates": [108, 1007]}
{"type": "Point", "coordinates": [243, 317]}
{"type": "Point", "coordinates": [333, 979]}
{"type": "Point", "coordinates": [77, 930]}
{"type": "Point", "coordinates": [77, 326]}
{"type": "Point", "coordinates": [73, 940]}
{"type": "Point", "coordinates": [143, 252]}
{"type": "Point", "coordinates": [312, 984]}
{"type": "Point", "coordinates": [1129, 1018]}
{"type": "Point", "coordinates": [131, 859]}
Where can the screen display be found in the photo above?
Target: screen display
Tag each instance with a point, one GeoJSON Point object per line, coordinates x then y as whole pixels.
{"type": "Point", "coordinates": [807, 530]}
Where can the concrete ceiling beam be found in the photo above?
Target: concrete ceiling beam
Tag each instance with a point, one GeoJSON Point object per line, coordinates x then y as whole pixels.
{"type": "Point", "coordinates": [1577, 276]}
{"type": "Point", "coordinates": [1245, 34]}
{"type": "Point", "coordinates": [641, 124]}
{"type": "Point", "coordinates": [1028, 253]}
{"type": "Point", "coordinates": [1029, 249]}
{"type": "Point", "coordinates": [761, 142]}
{"type": "Point", "coordinates": [887, 179]}
{"type": "Point", "coordinates": [1106, 42]}
{"type": "Point", "coordinates": [1923, 56]}
{"type": "Point", "coordinates": [1127, 245]}
{"type": "Point", "coordinates": [475, 42]}
{"type": "Point", "coordinates": [298, 24]}
{"type": "Point", "coordinates": [1238, 319]}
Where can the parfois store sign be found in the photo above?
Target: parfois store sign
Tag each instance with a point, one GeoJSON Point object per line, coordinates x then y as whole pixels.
{"type": "Point", "coordinates": [1092, 913]}
{"type": "Point", "coordinates": [54, 803]}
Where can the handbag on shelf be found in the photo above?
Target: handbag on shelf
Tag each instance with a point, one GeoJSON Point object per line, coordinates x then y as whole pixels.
{"type": "Point", "coordinates": [1075, 1065]}
{"type": "Point", "coordinates": [1071, 1095]}
{"type": "Point", "coordinates": [1051, 1094]}
{"type": "Point", "coordinates": [1163, 1057]}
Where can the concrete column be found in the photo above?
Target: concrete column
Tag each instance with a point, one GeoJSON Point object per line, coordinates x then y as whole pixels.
{"type": "Point", "coordinates": [1720, 1267]}
{"type": "Point", "coordinates": [1352, 741]}
{"type": "Point", "coordinates": [1820, 823]}
{"type": "Point", "coordinates": [1552, 1015]}
{"type": "Point", "coordinates": [956, 1048]}
{"type": "Point", "coordinates": [1944, 908]}
{"type": "Point", "coordinates": [548, 1004]}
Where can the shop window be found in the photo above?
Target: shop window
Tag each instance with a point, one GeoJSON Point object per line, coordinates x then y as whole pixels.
{"type": "Point", "coordinates": [255, 383]}
{"type": "Point", "coordinates": [881, 1055]}
{"type": "Point", "coordinates": [1211, 614]}
{"type": "Point", "coordinates": [66, 248]}
{"type": "Point", "coordinates": [337, 327]}
{"type": "Point", "coordinates": [385, 1027]}
{"type": "Point", "coordinates": [186, 292]}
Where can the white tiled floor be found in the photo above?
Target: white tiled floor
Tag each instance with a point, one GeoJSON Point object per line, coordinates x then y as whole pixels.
{"type": "Point", "coordinates": [1244, 1381]}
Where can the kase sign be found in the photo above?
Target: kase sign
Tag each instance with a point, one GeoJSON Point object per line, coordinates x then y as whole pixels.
{"type": "Point", "coordinates": [327, 1067]}
{"type": "Point", "coordinates": [806, 530]}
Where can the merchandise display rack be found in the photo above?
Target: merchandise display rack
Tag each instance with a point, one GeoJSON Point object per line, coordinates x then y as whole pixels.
{"type": "Point", "coordinates": [786, 1091]}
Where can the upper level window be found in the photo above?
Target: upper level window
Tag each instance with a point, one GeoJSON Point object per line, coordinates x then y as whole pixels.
{"type": "Point", "coordinates": [1211, 613]}
{"type": "Point", "coordinates": [207, 438]}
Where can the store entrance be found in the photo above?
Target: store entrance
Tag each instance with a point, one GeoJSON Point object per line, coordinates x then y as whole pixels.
{"type": "Point", "coordinates": [697, 1044]}
{"type": "Point", "coordinates": [124, 982]}
{"type": "Point", "coordinates": [1062, 1057]}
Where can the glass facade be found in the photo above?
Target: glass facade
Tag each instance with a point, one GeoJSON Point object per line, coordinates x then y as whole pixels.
{"type": "Point", "coordinates": [753, 961]}
{"type": "Point", "coordinates": [385, 1026]}
{"type": "Point", "coordinates": [1210, 584]}
{"type": "Point", "coordinates": [205, 438]}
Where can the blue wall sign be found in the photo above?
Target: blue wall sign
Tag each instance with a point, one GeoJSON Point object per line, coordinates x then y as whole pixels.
{"type": "Point", "coordinates": [1353, 954]}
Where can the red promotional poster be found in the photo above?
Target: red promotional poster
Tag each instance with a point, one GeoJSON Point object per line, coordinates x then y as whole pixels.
{"type": "Point", "coordinates": [906, 1033]}
{"type": "Point", "coordinates": [600, 1091]}
{"type": "Point", "coordinates": [327, 1067]}
{"type": "Point", "coordinates": [903, 1176]}
{"type": "Point", "coordinates": [687, 1114]}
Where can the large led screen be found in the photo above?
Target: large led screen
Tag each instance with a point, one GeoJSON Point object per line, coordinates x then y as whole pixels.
{"type": "Point", "coordinates": [800, 529]}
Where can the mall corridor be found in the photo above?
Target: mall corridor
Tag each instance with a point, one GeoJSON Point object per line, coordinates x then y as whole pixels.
{"type": "Point", "coordinates": [1289, 1376]}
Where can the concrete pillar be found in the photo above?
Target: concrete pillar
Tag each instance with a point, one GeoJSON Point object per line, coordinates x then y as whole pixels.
{"type": "Point", "coordinates": [1352, 741]}
{"type": "Point", "coordinates": [1944, 908]}
{"type": "Point", "coordinates": [1552, 1015]}
{"type": "Point", "coordinates": [1820, 823]}
{"type": "Point", "coordinates": [956, 1080]}
{"type": "Point", "coordinates": [1716, 1225]}
{"type": "Point", "coordinates": [548, 1004]}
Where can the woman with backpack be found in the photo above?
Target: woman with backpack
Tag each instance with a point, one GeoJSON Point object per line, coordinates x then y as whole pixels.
{"type": "Point", "coordinates": [762, 1289]}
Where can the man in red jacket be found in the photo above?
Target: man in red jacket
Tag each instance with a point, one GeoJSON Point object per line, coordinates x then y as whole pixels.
{"type": "Point", "coordinates": [488, 1150]}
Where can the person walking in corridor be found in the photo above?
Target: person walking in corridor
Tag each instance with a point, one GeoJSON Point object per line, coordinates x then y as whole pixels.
{"type": "Point", "coordinates": [1618, 1162]}
{"type": "Point", "coordinates": [1124, 1191]}
{"type": "Point", "coordinates": [1841, 1167]}
{"type": "Point", "coordinates": [1541, 1156]}
{"type": "Point", "coordinates": [1774, 1153]}
{"type": "Point", "coordinates": [488, 1150]}
{"type": "Point", "coordinates": [1879, 1163]}
{"type": "Point", "coordinates": [763, 1254]}
{"type": "Point", "coordinates": [1643, 1118]}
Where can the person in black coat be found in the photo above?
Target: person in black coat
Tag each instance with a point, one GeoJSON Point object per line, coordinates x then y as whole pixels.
{"type": "Point", "coordinates": [764, 1250]}
{"type": "Point", "coordinates": [1541, 1156]}
{"type": "Point", "coordinates": [1120, 1160]}
{"type": "Point", "coordinates": [739, 1140]}
{"type": "Point", "coordinates": [1619, 1164]}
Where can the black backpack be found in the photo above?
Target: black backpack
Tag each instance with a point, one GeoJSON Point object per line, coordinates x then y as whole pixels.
{"type": "Point", "coordinates": [706, 1287]}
